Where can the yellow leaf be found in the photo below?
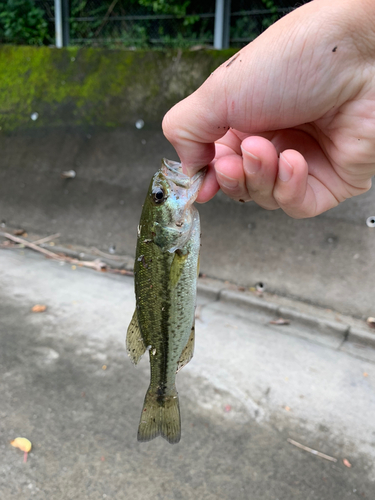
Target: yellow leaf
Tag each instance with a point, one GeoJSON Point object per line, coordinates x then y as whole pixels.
{"type": "Point", "coordinates": [22, 443]}
{"type": "Point", "coordinates": [38, 308]}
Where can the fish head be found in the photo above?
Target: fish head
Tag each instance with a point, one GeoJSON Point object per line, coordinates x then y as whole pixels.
{"type": "Point", "coordinates": [170, 199]}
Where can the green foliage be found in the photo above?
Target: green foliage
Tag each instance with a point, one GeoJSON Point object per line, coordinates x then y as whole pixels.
{"type": "Point", "coordinates": [106, 22]}
{"type": "Point", "coordinates": [22, 22]}
{"type": "Point", "coordinates": [267, 21]}
{"type": "Point", "coordinates": [244, 27]}
{"type": "Point", "coordinates": [167, 6]}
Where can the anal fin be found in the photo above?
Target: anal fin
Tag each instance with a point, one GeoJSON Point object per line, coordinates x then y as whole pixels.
{"type": "Point", "coordinates": [188, 351]}
{"type": "Point", "coordinates": [134, 342]}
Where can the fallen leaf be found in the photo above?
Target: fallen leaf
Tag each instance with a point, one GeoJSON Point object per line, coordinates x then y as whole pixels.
{"type": "Point", "coordinates": [287, 408]}
{"type": "Point", "coordinates": [38, 308]}
{"type": "Point", "coordinates": [19, 232]}
{"type": "Point", "coordinates": [365, 374]}
{"type": "Point", "coordinates": [347, 463]}
{"type": "Point", "coordinates": [104, 367]}
{"type": "Point", "coordinates": [22, 443]}
{"type": "Point", "coordinates": [280, 321]}
{"type": "Point", "coordinates": [371, 322]}
{"type": "Point", "coordinates": [74, 268]}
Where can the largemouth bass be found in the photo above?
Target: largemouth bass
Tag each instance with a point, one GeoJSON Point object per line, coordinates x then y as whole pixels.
{"type": "Point", "coordinates": [165, 276]}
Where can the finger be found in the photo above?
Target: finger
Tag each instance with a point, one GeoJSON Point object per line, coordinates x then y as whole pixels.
{"type": "Point", "coordinates": [299, 193]}
{"type": "Point", "coordinates": [209, 187]}
{"type": "Point", "coordinates": [260, 164]}
{"type": "Point", "coordinates": [193, 125]}
{"type": "Point", "coordinates": [230, 143]}
{"type": "Point", "coordinates": [231, 178]}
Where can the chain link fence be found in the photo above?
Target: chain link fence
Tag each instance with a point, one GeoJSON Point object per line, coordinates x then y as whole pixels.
{"type": "Point", "coordinates": [137, 24]}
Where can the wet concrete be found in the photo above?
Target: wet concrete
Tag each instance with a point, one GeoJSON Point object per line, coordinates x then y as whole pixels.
{"type": "Point", "coordinates": [328, 260]}
{"type": "Point", "coordinates": [68, 386]}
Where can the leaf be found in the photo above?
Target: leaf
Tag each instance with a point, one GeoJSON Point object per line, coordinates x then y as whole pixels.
{"type": "Point", "coordinates": [19, 232]}
{"type": "Point", "coordinates": [38, 308]}
{"type": "Point", "coordinates": [22, 443]}
{"type": "Point", "coordinates": [347, 463]}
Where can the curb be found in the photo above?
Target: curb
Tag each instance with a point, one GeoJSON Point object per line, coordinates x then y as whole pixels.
{"type": "Point", "coordinates": [354, 337]}
{"type": "Point", "coordinates": [342, 330]}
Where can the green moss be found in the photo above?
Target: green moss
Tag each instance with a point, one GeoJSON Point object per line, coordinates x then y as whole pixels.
{"type": "Point", "coordinates": [96, 86]}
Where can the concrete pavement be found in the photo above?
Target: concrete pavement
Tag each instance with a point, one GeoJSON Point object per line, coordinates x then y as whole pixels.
{"type": "Point", "coordinates": [68, 385]}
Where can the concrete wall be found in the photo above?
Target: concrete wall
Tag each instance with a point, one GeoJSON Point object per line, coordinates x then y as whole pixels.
{"type": "Point", "coordinates": [87, 103]}
{"type": "Point", "coordinates": [109, 88]}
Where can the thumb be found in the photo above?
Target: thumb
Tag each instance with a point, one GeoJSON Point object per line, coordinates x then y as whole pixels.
{"type": "Point", "coordinates": [192, 126]}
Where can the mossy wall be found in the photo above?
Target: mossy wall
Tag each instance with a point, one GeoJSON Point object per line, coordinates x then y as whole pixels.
{"type": "Point", "coordinates": [96, 86]}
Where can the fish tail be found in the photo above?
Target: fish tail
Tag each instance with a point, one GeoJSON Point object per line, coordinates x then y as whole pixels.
{"type": "Point", "coordinates": [160, 416]}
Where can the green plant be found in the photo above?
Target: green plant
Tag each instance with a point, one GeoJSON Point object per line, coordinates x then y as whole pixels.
{"type": "Point", "coordinates": [167, 6]}
{"type": "Point", "coordinates": [23, 22]}
{"type": "Point", "coordinates": [272, 7]}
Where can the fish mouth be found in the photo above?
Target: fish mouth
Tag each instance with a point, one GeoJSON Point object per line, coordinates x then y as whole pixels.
{"type": "Point", "coordinates": [172, 170]}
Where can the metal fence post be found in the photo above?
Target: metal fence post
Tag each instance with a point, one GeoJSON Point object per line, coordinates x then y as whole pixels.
{"type": "Point", "coordinates": [222, 24]}
{"type": "Point", "coordinates": [58, 24]}
{"type": "Point", "coordinates": [61, 23]}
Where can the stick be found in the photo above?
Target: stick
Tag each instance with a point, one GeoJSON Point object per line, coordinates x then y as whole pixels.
{"type": "Point", "coordinates": [232, 60]}
{"type": "Point", "coordinates": [109, 255]}
{"type": "Point", "coordinates": [35, 247]}
{"type": "Point", "coordinates": [96, 264]}
{"type": "Point", "coordinates": [310, 450]}
{"type": "Point", "coordinates": [46, 239]}
{"type": "Point", "coordinates": [105, 18]}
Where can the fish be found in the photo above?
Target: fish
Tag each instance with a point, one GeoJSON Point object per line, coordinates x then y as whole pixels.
{"type": "Point", "coordinates": [165, 276]}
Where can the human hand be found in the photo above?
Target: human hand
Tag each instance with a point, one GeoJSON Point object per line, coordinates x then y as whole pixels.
{"type": "Point", "coordinates": [289, 121]}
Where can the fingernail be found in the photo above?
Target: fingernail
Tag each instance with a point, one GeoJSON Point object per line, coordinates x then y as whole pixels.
{"type": "Point", "coordinates": [226, 182]}
{"type": "Point", "coordinates": [285, 169]}
{"type": "Point", "coordinates": [251, 162]}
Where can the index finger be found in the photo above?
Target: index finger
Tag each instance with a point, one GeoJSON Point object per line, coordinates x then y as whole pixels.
{"type": "Point", "coordinates": [192, 126]}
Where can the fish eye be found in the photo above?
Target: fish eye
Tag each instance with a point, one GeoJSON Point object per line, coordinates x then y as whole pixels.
{"type": "Point", "coordinates": [158, 196]}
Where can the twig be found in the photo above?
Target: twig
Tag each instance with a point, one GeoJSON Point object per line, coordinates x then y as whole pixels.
{"type": "Point", "coordinates": [125, 272]}
{"type": "Point", "coordinates": [232, 60]}
{"type": "Point", "coordinates": [310, 450]}
{"type": "Point", "coordinates": [29, 244]}
{"type": "Point", "coordinates": [109, 255]}
{"type": "Point", "coordinates": [105, 18]}
{"type": "Point", "coordinates": [46, 239]}
{"type": "Point", "coordinates": [96, 264]}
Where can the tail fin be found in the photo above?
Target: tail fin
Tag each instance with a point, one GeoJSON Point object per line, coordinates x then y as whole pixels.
{"type": "Point", "coordinates": [160, 416]}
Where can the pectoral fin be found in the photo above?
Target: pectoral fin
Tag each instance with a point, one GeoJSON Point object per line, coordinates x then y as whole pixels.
{"type": "Point", "coordinates": [188, 351]}
{"type": "Point", "coordinates": [177, 267]}
{"type": "Point", "coordinates": [134, 342]}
